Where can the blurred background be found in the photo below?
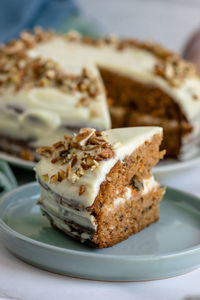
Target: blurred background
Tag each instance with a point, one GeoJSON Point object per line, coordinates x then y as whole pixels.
{"type": "Point", "coordinates": [170, 22]}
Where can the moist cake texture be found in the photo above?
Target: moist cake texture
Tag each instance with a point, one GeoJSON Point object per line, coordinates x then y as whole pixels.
{"type": "Point", "coordinates": [67, 79]}
{"type": "Point", "coordinates": [97, 186]}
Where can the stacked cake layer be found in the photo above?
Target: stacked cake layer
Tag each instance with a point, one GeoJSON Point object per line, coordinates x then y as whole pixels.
{"type": "Point", "coordinates": [98, 187]}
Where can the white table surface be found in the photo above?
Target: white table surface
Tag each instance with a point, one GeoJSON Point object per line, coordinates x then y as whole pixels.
{"type": "Point", "coordinates": [19, 280]}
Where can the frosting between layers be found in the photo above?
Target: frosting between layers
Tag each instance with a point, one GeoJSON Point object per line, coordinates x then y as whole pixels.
{"type": "Point", "coordinates": [126, 140]}
{"type": "Point", "coordinates": [149, 184]}
{"type": "Point", "coordinates": [59, 223]}
{"type": "Point", "coordinates": [63, 211]}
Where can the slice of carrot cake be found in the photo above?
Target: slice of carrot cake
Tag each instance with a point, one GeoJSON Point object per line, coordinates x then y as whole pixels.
{"type": "Point", "coordinates": [97, 186]}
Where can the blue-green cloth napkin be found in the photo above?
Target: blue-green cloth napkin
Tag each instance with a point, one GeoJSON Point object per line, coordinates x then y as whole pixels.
{"type": "Point", "coordinates": [7, 178]}
{"type": "Point", "coordinates": [61, 15]}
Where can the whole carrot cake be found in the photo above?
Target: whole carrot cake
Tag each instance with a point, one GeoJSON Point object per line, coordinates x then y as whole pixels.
{"type": "Point", "coordinates": [101, 83]}
{"type": "Point", "coordinates": [97, 186]}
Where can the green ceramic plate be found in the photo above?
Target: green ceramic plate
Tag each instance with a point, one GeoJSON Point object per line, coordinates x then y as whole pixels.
{"type": "Point", "coordinates": [167, 248]}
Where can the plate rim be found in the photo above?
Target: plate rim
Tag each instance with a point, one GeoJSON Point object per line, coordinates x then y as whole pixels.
{"type": "Point", "coordinates": [179, 165]}
{"type": "Point", "coordinates": [16, 161]}
{"type": "Point", "coordinates": [147, 257]}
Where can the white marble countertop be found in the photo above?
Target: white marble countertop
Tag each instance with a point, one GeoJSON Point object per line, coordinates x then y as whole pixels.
{"type": "Point", "coordinates": [19, 280]}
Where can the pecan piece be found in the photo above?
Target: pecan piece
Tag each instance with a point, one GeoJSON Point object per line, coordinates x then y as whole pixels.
{"type": "Point", "coordinates": [105, 154]}
{"type": "Point", "coordinates": [45, 177]}
{"type": "Point", "coordinates": [74, 161]}
{"type": "Point", "coordinates": [61, 175]}
{"type": "Point", "coordinates": [58, 145]}
{"type": "Point", "coordinates": [54, 178]}
{"type": "Point", "coordinates": [44, 151]}
{"type": "Point", "coordinates": [82, 190]}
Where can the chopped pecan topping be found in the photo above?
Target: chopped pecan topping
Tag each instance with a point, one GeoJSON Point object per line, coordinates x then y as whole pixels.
{"type": "Point", "coordinates": [105, 154]}
{"type": "Point", "coordinates": [61, 175]}
{"type": "Point", "coordinates": [174, 70]}
{"type": "Point", "coordinates": [64, 153]}
{"type": "Point", "coordinates": [121, 44]}
{"type": "Point", "coordinates": [58, 144]}
{"type": "Point", "coordinates": [74, 161]}
{"type": "Point", "coordinates": [19, 70]}
{"type": "Point", "coordinates": [82, 190]}
{"type": "Point", "coordinates": [45, 177]}
{"type": "Point", "coordinates": [81, 153]}
{"type": "Point", "coordinates": [44, 151]}
{"type": "Point", "coordinates": [54, 178]}
{"type": "Point", "coordinates": [170, 65]}
{"type": "Point", "coordinates": [68, 170]}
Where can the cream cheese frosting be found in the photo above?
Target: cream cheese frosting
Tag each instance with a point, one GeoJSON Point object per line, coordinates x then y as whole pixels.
{"type": "Point", "coordinates": [124, 141]}
{"type": "Point", "coordinates": [131, 61]}
{"type": "Point", "coordinates": [48, 113]}
{"type": "Point", "coordinates": [149, 184]}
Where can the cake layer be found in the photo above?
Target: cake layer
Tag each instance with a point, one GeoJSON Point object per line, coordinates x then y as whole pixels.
{"type": "Point", "coordinates": [82, 225]}
{"type": "Point", "coordinates": [59, 206]}
{"type": "Point", "coordinates": [118, 223]}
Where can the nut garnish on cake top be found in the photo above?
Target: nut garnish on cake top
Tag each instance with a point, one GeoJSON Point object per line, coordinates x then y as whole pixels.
{"type": "Point", "coordinates": [175, 70]}
{"type": "Point", "coordinates": [22, 71]}
{"type": "Point", "coordinates": [170, 65]}
{"type": "Point", "coordinates": [78, 153]}
{"type": "Point", "coordinates": [18, 68]}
